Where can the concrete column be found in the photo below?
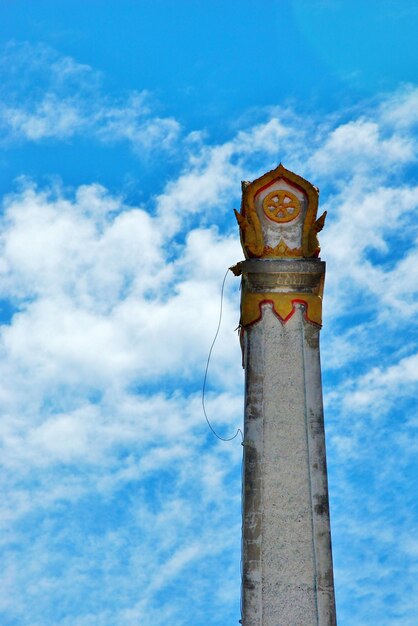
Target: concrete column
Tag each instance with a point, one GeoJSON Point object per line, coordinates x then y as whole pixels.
{"type": "Point", "coordinates": [287, 562]}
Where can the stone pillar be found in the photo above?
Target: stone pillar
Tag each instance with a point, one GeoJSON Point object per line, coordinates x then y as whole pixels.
{"type": "Point", "coordinates": [287, 562]}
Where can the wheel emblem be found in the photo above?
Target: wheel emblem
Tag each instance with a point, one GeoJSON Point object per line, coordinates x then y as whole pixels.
{"type": "Point", "coordinates": [281, 206]}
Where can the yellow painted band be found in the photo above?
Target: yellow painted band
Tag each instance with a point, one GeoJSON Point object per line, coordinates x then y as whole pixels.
{"type": "Point", "coordinates": [284, 305]}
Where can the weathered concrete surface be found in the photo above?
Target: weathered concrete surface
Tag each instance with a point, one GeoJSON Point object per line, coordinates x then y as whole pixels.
{"type": "Point", "coordinates": [287, 562]}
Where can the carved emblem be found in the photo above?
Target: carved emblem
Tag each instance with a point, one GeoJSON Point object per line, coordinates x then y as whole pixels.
{"type": "Point", "coordinates": [281, 206]}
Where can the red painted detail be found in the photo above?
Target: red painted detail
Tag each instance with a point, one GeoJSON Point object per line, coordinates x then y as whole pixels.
{"type": "Point", "coordinates": [287, 318]}
{"type": "Point", "coordinates": [289, 182]}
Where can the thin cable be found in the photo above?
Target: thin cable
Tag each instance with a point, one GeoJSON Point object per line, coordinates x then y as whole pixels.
{"type": "Point", "coordinates": [239, 431]}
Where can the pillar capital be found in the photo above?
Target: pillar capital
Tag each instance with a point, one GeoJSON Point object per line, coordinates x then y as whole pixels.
{"type": "Point", "coordinates": [285, 285]}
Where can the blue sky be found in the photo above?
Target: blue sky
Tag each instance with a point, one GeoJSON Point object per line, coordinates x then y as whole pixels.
{"type": "Point", "coordinates": [125, 130]}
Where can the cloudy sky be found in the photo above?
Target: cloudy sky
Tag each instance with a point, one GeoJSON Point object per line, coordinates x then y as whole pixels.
{"type": "Point", "coordinates": [126, 127]}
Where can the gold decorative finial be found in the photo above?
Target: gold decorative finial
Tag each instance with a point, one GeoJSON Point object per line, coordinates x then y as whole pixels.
{"type": "Point", "coordinates": [278, 217]}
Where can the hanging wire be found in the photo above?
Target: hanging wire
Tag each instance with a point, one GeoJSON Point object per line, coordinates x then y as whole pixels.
{"type": "Point", "coordinates": [239, 431]}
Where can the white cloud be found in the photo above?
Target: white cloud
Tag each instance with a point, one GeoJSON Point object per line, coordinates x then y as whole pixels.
{"type": "Point", "coordinates": [132, 121]}
{"type": "Point", "coordinates": [400, 109]}
{"type": "Point", "coordinates": [51, 117]}
{"type": "Point", "coordinates": [359, 145]}
{"type": "Point", "coordinates": [69, 101]}
{"type": "Point", "coordinates": [106, 452]}
{"type": "Point", "coordinates": [100, 311]}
